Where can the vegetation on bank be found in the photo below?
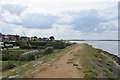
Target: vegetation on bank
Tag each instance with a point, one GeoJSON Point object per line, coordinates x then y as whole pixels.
{"type": "Point", "coordinates": [57, 44]}
{"type": "Point", "coordinates": [95, 64]}
{"type": "Point", "coordinates": [20, 70]}
{"type": "Point", "coordinates": [16, 55]}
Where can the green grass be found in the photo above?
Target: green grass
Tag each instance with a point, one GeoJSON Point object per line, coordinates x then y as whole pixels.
{"type": "Point", "coordinates": [15, 51]}
{"type": "Point", "coordinates": [4, 64]}
{"type": "Point", "coordinates": [29, 67]}
{"type": "Point", "coordinates": [18, 50]}
{"type": "Point", "coordinates": [85, 56]}
{"type": "Point", "coordinates": [88, 55]}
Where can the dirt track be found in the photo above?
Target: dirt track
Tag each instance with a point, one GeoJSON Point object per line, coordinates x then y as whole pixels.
{"type": "Point", "coordinates": [60, 68]}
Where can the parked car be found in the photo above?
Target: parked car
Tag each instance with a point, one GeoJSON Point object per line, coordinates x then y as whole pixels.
{"type": "Point", "coordinates": [1, 45]}
{"type": "Point", "coordinates": [8, 46]}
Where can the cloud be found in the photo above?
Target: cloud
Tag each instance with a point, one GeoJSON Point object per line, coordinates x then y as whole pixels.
{"type": "Point", "coordinates": [10, 18]}
{"type": "Point", "coordinates": [107, 26]}
{"type": "Point", "coordinates": [90, 20]}
{"type": "Point", "coordinates": [86, 20]}
{"type": "Point", "coordinates": [14, 9]}
{"type": "Point", "coordinates": [80, 19]}
{"type": "Point", "coordinates": [37, 20]}
{"type": "Point", "coordinates": [11, 13]}
{"type": "Point", "coordinates": [59, 31]}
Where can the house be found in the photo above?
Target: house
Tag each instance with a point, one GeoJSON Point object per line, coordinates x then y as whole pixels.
{"type": "Point", "coordinates": [5, 38]}
{"type": "Point", "coordinates": [45, 39]}
{"type": "Point", "coordinates": [39, 39]}
{"type": "Point", "coordinates": [0, 36]}
{"type": "Point", "coordinates": [24, 38]}
{"type": "Point", "coordinates": [13, 37]}
{"type": "Point", "coordinates": [17, 37]}
{"type": "Point", "coordinates": [9, 37]}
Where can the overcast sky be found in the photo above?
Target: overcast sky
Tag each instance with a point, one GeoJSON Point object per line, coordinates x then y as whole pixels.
{"type": "Point", "coordinates": [64, 19]}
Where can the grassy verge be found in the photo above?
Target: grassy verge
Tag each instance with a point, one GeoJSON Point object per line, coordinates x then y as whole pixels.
{"type": "Point", "coordinates": [95, 65]}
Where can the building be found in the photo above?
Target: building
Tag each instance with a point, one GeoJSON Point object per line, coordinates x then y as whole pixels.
{"type": "Point", "coordinates": [0, 36]}
{"type": "Point", "coordinates": [5, 38]}
{"type": "Point", "coordinates": [45, 39]}
{"type": "Point", "coordinates": [13, 37]}
{"type": "Point", "coordinates": [24, 38]}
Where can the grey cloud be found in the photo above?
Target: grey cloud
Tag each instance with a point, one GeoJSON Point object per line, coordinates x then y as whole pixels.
{"type": "Point", "coordinates": [38, 21]}
{"type": "Point", "coordinates": [87, 21]}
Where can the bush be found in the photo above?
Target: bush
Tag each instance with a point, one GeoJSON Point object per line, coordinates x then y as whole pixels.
{"type": "Point", "coordinates": [8, 66]}
{"type": "Point", "coordinates": [27, 57]}
{"type": "Point", "coordinates": [49, 50]}
{"type": "Point", "coordinates": [31, 57]}
{"type": "Point", "coordinates": [43, 44]}
{"type": "Point", "coordinates": [40, 52]}
{"type": "Point", "coordinates": [38, 43]}
{"type": "Point", "coordinates": [6, 57]}
{"type": "Point", "coordinates": [24, 58]}
{"type": "Point", "coordinates": [11, 65]}
{"type": "Point", "coordinates": [59, 45]}
{"type": "Point", "coordinates": [24, 47]}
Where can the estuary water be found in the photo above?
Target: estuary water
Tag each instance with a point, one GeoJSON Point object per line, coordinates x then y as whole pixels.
{"type": "Point", "coordinates": [109, 46]}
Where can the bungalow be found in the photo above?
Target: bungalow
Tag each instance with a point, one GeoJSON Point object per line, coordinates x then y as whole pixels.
{"type": "Point", "coordinates": [13, 37]}
{"type": "Point", "coordinates": [45, 39]}
{"type": "Point", "coordinates": [39, 39]}
{"type": "Point", "coordinates": [24, 38]}
{"type": "Point", "coordinates": [5, 38]}
{"type": "Point", "coordinates": [9, 37]}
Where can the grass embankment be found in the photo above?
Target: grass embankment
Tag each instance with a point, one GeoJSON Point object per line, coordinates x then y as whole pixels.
{"type": "Point", "coordinates": [11, 53]}
{"type": "Point", "coordinates": [5, 64]}
{"type": "Point", "coordinates": [95, 64]}
{"type": "Point", "coordinates": [28, 66]}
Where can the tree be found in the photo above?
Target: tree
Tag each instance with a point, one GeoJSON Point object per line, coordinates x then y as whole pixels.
{"type": "Point", "coordinates": [35, 38]}
{"type": "Point", "coordinates": [51, 38]}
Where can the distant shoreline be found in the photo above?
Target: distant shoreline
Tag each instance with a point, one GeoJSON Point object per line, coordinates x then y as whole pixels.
{"type": "Point", "coordinates": [93, 40]}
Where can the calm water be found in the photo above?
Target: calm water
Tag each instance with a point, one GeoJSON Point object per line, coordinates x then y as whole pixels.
{"type": "Point", "coordinates": [109, 46]}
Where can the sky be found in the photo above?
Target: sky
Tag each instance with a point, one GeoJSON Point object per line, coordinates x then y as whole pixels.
{"type": "Point", "coordinates": [64, 19]}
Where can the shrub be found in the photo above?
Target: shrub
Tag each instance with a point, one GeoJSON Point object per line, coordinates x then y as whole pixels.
{"type": "Point", "coordinates": [11, 65]}
{"type": "Point", "coordinates": [27, 57]}
{"type": "Point", "coordinates": [24, 58]}
{"type": "Point", "coordinates": [8, 66]}
{"type": "Point", "coordinates": [49, 50]}
{"type": "Point", "coordinates": [59, 45]}
{"type": "Point", "coordinates": [4, 57]}
{"type": "Point", "coordinates": [31, 57]}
